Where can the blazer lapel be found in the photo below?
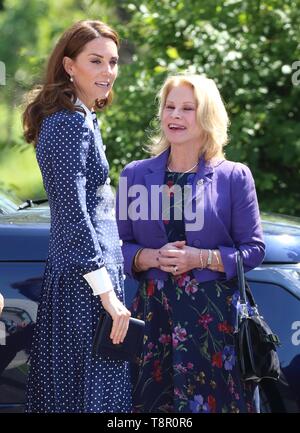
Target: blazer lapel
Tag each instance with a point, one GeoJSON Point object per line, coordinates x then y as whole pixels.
{"type": "Point", "coordinates": [156, 178]}
{"type": "Point", "coordinates": [202, 179]}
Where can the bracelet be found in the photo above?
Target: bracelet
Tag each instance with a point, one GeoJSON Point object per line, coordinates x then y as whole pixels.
{"type": "Point", "coordinates": [201, 260]}
{"type": "Point", "coordinates": [135, 265]}
{"type": "Point", "coordinates": [217, 257]}
{"type": "Point", "coordinates": [209, 258]}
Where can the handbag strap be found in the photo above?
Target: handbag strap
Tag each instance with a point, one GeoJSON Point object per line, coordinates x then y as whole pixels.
{"type": "Point", "coordinates": [245, 293]}
{"type": "Point", "coordinates": [243, 287]}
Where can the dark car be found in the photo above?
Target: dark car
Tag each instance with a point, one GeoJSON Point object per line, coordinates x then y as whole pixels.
{"type": "Point", "coordinates": [24, 236]}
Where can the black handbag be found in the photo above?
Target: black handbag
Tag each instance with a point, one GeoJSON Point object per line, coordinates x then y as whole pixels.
{"type": "Point", "coordinates": [255, 342]}
{"type": "Point", "coordinates": [129, 350]}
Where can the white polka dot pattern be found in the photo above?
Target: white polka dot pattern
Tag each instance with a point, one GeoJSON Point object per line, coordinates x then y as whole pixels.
{"type": "Point", "coordinates": [64, 377]}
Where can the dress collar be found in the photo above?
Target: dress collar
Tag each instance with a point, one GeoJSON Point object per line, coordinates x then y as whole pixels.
{"type": "Point", "coordinates": [89, 115]}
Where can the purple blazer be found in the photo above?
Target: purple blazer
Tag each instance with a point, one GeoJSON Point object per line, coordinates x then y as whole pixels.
{"type": "Point", "coordinates": [231, 216]}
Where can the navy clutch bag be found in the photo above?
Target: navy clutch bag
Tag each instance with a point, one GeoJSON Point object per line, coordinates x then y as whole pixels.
{"type": "Point", "coordinates": [129, 350]}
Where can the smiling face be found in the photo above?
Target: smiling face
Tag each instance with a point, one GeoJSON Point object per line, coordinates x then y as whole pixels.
{"type": "Point", "coordinates": [179, 116]}
{"type": "Point", "coordinates": [94, 70]}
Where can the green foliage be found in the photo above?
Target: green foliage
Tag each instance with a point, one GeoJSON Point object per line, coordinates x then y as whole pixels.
{"type": "Point", "coordinates": [247, 46]}
{"type": "Point", "coordinates": [29, 30]}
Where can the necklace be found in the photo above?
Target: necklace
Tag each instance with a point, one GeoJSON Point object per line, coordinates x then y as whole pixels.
{"type": "Point", "coordinates": [187, 171]}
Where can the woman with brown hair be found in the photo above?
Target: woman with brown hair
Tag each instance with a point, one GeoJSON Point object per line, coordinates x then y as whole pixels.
{"type": "Point", "coordinates": [84, 271]}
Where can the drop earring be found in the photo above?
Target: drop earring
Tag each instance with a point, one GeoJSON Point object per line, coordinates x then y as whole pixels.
{"type": "Point", "coordinates": [71, 79]}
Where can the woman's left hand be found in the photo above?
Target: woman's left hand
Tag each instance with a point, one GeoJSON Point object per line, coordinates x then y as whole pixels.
{"type": "Point", "coordinates": [179, 260]}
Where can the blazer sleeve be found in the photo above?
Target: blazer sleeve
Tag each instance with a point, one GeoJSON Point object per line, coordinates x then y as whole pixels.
{"type": "Point", "coordinates": [246, 230]}
{"type": "Point", "coordinates": [129, 246]}
{"type": "Point", "coordinates": [68, 146]}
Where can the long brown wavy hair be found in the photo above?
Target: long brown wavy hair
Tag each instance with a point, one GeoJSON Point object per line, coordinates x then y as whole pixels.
{"type": "Point", "coordinates": [57, 92]}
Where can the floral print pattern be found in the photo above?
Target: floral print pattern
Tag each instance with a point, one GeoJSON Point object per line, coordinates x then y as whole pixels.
{"type": "Point", "coordinates": [189, 362]}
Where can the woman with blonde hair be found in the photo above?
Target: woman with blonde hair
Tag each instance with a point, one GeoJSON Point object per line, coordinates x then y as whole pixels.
{"type": "Point", "coordinates": [181, 245]}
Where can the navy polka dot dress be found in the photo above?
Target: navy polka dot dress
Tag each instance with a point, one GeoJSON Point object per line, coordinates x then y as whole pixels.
{"type": "Point", "coordinates": [64, 376]}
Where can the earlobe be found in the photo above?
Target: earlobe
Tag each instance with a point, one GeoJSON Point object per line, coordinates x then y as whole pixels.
{"type": "Point", "coordinates": [67, 64]}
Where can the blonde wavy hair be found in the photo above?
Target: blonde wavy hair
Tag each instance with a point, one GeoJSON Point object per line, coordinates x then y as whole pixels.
{"type": "Point", "coordinates": [211, 114]}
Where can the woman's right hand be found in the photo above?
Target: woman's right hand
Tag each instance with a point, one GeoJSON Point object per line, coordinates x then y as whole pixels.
{"type": "Point", "coordinates": [119, 313]}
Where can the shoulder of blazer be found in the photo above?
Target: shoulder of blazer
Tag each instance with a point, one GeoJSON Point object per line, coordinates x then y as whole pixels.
{"type": "Point", "coordinates": [141, 165]}
{"type": "Point", "coordinates": [154, 163]}
{"type": "Point", "coordinates": [229, 168]}
{"type": "Point", "coordinates": [238, 174]}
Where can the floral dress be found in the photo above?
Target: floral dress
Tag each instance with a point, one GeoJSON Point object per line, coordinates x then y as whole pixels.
{"type": "Point", "coordinates": [189, 362]}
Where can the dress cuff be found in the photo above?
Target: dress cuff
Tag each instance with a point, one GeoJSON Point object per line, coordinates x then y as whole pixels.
{"type": "Point", "coordinates": [99, 281]}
